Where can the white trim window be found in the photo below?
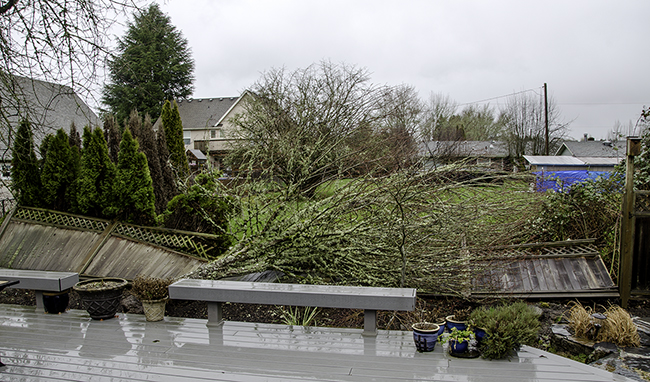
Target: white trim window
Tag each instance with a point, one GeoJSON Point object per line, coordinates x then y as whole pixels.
{"type": "Point", "coordinates": [187, 137]}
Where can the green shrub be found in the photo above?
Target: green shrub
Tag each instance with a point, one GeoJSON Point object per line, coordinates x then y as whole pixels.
{"type": "Point", "coordinates": [507, 327]}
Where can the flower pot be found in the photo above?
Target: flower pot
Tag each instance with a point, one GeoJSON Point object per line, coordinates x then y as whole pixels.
{"type": "Point", "coordinates": [458, 346]}
{"type": "Point", "coordinates": [452, 323]}
{"type": "Point", "coordinates": [154, 310]}
{"type": "Point", "coordinates": [442, 323]}
{"type": "Point", "coordinates": [56, 302]}
{"type": "Point", "coordinates": [479, 334]}
{"type": "Point", "coordinates": [101, 297]}
{"type": "Point", "coordinates": [425, 335]}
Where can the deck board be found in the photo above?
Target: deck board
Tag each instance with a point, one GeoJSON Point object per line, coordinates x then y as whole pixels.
{"type": "Point", "coordinates": [72, 347]}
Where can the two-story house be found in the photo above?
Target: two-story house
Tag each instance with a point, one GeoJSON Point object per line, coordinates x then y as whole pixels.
{"type": "Point", "coordinates": [207, 124]}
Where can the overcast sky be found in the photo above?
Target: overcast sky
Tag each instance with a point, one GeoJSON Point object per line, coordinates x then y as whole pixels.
{"type": "Point", "coordinates": [593, 54]}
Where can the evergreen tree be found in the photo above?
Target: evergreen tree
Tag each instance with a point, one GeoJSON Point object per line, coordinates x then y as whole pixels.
{"type": "Point", "coordinates": [74, 139]}
{"type": "Point", "coordinates": [96, 176]}
{"type": "Point", "coordinates": [171, 121]}
{"type": "Point", "coordinates": [59, 172]}
{"type": "Point", "coordinates": [168, 181]}
{"type": "Point", "coordinates": [153, 64]}
{"type": "Point", "coordinates": [147, 139]}
{"type": "Point", "coordinates": [25, 174]}
{"type": "Point", "coordinates": [113, 137]}
{"type": "Point", "coordinates": [134, 196]}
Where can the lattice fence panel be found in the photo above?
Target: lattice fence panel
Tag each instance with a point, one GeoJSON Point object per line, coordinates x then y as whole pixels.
{"type": "Point", "coordinates": [60, 219]}
{"type": "Point", "coordinates": [194, 245]}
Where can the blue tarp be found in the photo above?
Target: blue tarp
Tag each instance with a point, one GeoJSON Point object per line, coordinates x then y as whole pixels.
{"type": "Point", "coordinates": [562, 180]}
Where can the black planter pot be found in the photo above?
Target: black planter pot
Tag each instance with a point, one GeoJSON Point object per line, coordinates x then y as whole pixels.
{"type": "Point", "coordinates": [101, 297]}
{"type": "Point", "coordinates": [56, 302]}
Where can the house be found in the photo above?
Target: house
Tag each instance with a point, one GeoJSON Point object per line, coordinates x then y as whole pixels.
{"type": "Point", "coordinates": [207, 124]}
{"type": "Point", "coordinates": [575, 162]}
{"type": "Point", "coordinates": [48, 106]}
{"type": "Point", "coordinates": [490, 154]}
{"type": "Point", "coordinates": [592, 149]}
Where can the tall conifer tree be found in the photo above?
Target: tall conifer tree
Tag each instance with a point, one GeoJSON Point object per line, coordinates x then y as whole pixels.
{"type": "Point", "coordinates": [171, 121]}
{"type": "Point", "coordinates": [96, 176]}
{"type": "Point", "coordinates": [59, 172]}
{"type": "Point", "coordinates": [134, 196]}
{"type": "Point", "coordinates": [153, 64]}
{"type": "Point", "coordinates": [25, 174]}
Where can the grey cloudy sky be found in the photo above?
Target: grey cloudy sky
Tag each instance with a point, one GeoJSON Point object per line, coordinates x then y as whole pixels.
{"type": "Point", "coordinates": [593, 54]}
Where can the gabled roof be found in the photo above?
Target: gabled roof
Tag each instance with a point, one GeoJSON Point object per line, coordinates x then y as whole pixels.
{"type": "Point", "coordinates": [203, 113]}
{"type": "Point", "coordinates": [483, 149]}
{"type": "Point", "coordinates": [197, 154]}
{"type": "Point", "coordinates": [601, 149]}
{"type": "Point", "coordinates": [49, 107]}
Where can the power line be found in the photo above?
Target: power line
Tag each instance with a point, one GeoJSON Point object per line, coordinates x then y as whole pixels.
{"type": "Point", "coordinates": [534, 90]}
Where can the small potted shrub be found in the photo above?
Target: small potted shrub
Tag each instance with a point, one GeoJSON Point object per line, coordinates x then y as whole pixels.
{"type": "Point", "coordinates": [507, 327]}
{"type": "Point", "coordinates": [459, 340]}
{"type": "Point", "coordinates": [153, 293]}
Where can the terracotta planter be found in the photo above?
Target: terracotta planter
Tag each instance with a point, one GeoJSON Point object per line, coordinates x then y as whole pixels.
{"type": "Point", "coordinates": [101, 297]}
{"type": "Point", "coordinates": [154, 310]}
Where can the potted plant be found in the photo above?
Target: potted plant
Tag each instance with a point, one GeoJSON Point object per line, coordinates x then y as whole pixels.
{"type": "Point", "coordinates": [101, 297]}
{"type": "Point", "coordinates": [56, 302]}
{"type": "Point", "coordinates": [425, 335]}
{"type": "Point", "coordinates": [458, 320]}
{"type": "Point", "coordinates": [459, 341]}
{"type": "Point", "coordinates": [442, 323]}
{"type": "Point", "coordinates": [507, 327]}
{"type": "Point", "coordinates": [153, 293]}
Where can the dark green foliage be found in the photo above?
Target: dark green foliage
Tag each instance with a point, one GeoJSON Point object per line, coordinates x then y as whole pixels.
{"type": "Point", "coordinates": [507, 327]}
{"type": "Point", "coordinates": [59, 173]}
{"type": "Point", "coordinates": [113, 137]}
{"type": "Point", "coordinates": [153, 64]}
{"type": "Point", "coordinates": [133, 191]}
{"type": "Point", "coordinates": [147, 139]}
{"type": "Point", "coordinates": [203, 207]}
{"type": "Point", "coordinates": [25, 174]}
{"type": "Point", "coordinates": [171, 121]}
{"type": "Point", "coordinates": [168, 181]}
{"type": "Point", "coordinates": [96, 176]}
{"type": "Point", "coordinates": [642, 162]}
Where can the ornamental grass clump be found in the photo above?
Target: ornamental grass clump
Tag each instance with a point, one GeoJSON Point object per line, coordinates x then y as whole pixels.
{"type": "Point", "coordinates": [507, 327]}
{"type": "Point", "coordinates": [150, 288]}
{"type": "Point", "coordinates": [617, 327]}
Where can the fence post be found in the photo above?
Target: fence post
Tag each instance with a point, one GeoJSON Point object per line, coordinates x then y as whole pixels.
{"type": "Point", "coordinates": [627, 223]}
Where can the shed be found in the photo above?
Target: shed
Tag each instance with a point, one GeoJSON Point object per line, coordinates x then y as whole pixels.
{"type": "Point", "coordinates": [196, 158]}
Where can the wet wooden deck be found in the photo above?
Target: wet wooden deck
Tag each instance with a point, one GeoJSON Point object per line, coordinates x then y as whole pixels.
{"type": "Point", "coordinates": [72, 347]}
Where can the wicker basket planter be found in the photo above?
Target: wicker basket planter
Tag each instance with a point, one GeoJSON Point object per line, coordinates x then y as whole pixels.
{"type": "Point", "coordinates": [154, 310]}
{"type": "Point", "coordinates": [101, 297]}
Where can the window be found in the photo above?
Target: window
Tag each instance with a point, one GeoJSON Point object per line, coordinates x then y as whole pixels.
{"type": "Point", "coordinates": [214, 134]}
{"type": "Point", "coordinates": [187, 138]}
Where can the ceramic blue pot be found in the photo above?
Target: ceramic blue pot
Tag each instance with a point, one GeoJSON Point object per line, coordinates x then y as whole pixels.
{"type": "Point", "coordinates": [459, 325]}
{"type": "Point", "coordinates": [458, 347]}
{"type": "Point", "coordinates": [425, 336]}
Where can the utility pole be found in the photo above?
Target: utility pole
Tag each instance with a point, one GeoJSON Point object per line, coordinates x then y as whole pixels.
{"type": "Point", "coordinates": [546, 115]}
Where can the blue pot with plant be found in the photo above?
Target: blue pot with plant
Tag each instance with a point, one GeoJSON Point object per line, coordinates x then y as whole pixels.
{"type": "Point", "coordinates": [459, 340]}
{"type": "Point", "coordinates": [425, 335]}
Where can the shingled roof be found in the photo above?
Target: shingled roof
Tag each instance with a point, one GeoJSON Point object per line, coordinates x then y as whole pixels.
{"type": "Point", "coordinates": [594, 149]}
{"type": "Point", "coordinates": [202, 113]}
{"type": "Point", "coordinates": [49, 107]}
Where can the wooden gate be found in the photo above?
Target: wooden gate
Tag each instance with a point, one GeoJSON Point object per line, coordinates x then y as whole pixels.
{"type": "Point", "coordinates": [641, 249]}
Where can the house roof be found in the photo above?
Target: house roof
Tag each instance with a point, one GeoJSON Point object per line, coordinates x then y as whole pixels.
{"type": "Point", "coordinates": [197, 154]}
{"type": "Point", "coordinates": [49, 107]}
{"type": "Point", "coordinates": [485, 149]}
{"type": "Point", "coordinates": [602, 149]}
{"type": "Point", "coordinates": [563, 160]}
{"type": "Point", "coordinates": [203, 113]}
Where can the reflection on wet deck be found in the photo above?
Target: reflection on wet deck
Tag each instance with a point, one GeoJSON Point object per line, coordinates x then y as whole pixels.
{"type": "Point", "coordinates": [72, 347]}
